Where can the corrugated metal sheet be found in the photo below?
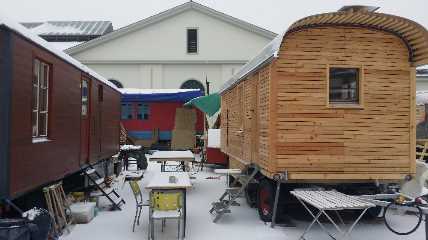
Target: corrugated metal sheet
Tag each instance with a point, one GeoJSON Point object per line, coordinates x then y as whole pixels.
{"type": "Point", "coordinates": [26, 33]}
{"type": "Point", "coordinates": [67, 28]}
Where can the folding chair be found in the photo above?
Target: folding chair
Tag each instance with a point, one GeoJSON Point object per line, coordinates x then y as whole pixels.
{"type": "Point", "coordinates": [165, 205]}
{"type": "Point", "coordinates": [138, 201]}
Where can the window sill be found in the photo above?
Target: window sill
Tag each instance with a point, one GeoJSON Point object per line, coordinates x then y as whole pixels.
{"type": "Point", "coordinates": [345, 106]}
{"type": "Point", "coordinates": [41, 140]}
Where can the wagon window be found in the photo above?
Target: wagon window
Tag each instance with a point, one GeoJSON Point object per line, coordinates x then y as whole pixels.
{"type": "Point", "coordinates": [192, 40]}
{"type": "Point", "coordinates": [85, 98]}
{"type": "Point", "coordinates": [40, 99]}
{"type": "Point", "coordinates": [142, 111]}
{"type": "Point", "coordinates": [344, 85]}
{"type": "Point", "coordinates": [126, 111]}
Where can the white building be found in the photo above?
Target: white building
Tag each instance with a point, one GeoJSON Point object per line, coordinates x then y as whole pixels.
{"type": "Point", "coordinates": [422, 78]}
{"type": "Point", "coordinates": [177, 48]}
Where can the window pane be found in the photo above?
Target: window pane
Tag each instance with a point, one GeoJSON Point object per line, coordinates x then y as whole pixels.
{"type": "Point", "coordinates": [45, 76]}
{"type": "Point", "coordinates": [36, 68]}
{"type": "Point", "coordinates": [143, 111]}
{"type": "Point", "coordinates": [35, 97]}
{"type": "Point", "coordinates": [192, 40]}
{"type": "Point", "coordinates": [34, 123]}
{"type": "Point", "coordinates": [344, 85]}
{"type": "Point", "coordinates": [85, 109]}
{"type": "Point", "coordinates": [41, 74]}
{"type": "Point", "coordinates": [126, 111]}
{"type": "Point", "coordinates": [43, 120]}
{"type": "Point", "coordinates": [84, 98]}
{"type": "Point", "coordinates": [43, 100]}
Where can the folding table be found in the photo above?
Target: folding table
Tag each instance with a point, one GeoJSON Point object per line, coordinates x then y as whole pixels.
{"type": "Point", "coordinates": [173, 156]}
{"type": "Point", "coordinates": [161, 182]}
{"type": "Point", "coordinates": [330, 201]}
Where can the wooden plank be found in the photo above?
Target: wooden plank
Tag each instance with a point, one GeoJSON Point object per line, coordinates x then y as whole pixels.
{"type": "Point", "coordinates": [412, 124]}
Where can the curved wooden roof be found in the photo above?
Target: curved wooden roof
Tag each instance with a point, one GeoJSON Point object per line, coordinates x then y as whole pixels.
{"type": "Point", "coordinates": [413, 34]}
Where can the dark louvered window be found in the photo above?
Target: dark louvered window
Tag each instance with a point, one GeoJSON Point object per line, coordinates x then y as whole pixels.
{"type": "Point", "coordinates": [192, 40]}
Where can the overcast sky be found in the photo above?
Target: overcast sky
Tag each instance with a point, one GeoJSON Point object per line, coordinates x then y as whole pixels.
{"type": "Point", "coordinates": [274, 15]}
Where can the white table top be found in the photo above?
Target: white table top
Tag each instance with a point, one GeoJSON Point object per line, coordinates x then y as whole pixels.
{"type": "Point", "coordinates": [331, 200]}
{"type": "Point", "coordinates": [161, 181]}
{"type": "Point", "coordinates": [172, 156]}
{"type": "Point", "coordinates": [228, 171]}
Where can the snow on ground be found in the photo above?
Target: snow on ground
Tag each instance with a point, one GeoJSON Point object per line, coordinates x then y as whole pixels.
{"type": "Point", "coordinates": [242, 223]}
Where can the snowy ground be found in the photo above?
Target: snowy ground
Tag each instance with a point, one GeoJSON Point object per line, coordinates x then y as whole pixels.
{"type": "Point", "coordinates": [243, 223]}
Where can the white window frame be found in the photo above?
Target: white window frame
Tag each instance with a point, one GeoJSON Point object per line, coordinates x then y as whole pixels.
{"type": "Point", "coordinates": [37, 137]}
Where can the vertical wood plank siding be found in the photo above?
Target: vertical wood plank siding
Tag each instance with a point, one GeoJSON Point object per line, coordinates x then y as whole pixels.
{"type": "Point", "coordinates": [245, 116]}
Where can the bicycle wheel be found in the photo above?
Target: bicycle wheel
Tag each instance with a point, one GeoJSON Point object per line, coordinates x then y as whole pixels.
{"type": "Point", "coordinates": [402, 223]}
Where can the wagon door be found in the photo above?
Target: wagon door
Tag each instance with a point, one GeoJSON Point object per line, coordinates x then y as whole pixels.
{"type": "Point", "coordinates": [85, 123]}
{"type": "Point", "coordinates": [100, 118]}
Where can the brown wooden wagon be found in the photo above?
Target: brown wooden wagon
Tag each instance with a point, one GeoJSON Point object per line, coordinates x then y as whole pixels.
{"type": "Point", "coordinates": [332, 100]}
{"type": "Point", "coordinates": [56, 115]}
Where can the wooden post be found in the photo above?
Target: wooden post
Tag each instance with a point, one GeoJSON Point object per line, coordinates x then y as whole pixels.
{"type": "Point", "coordinates": [412, 124]}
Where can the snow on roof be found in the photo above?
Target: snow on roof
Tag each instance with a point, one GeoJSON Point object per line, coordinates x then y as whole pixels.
{"type": "Point", "coordinates": [24, 32]}
{"type": "Point", "coordinates": [269, 52]}
{"type": "Point", "coordinates": [154, 91]}
{"type": "Point", "coordinates": [70, 27]}
{"type": "Point", "coordinates": [64, 45]}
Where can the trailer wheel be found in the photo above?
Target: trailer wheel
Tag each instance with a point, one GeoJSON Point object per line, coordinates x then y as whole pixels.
{"type": "Point", "coordinates": [251, 194]}
{"type": "Point", "coordinates": [265, 200]}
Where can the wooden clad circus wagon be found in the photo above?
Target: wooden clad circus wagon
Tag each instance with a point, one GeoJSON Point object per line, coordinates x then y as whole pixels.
{"type": "Point", "coordinates": [332, 100]}
{"type": "Point", "coordinates": [56, 115]}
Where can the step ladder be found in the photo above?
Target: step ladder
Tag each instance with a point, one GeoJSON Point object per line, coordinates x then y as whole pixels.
{"type": "Point", "coordinates": [227, 199]}
{"type": "Point", "coordinates": [99, 182]}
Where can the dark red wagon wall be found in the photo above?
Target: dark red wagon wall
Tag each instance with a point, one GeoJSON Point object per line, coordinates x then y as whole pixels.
{"type": "Point", "coordinates": [110, 122]}
{"type": "Point", "coordinates": [105, 121]}
{"type": "Point", "coordinates": [35, 164]}
{"type": "Point", "coordinates": [5, 96]}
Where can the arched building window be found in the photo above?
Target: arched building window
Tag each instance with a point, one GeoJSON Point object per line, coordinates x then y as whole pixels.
{"type": "Point", "coordinates": [116, 82]}
{"type": "Point", "coordinates": [193, 84]}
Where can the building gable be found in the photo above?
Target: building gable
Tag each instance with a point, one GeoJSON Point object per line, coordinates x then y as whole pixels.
{"type": "Point", "coordinates": [167, 31]}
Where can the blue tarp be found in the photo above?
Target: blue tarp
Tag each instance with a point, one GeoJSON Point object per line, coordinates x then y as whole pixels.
{"type": "Point", "coordinates": [161, 97]}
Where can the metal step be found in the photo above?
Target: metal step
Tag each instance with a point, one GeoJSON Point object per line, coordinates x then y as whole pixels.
{"type": "Point", "coordinates": [90, 171]}
{"type": "Point", "coordinates": [99, 181]}
{"type": "Point", "coordinates": [98, 193]}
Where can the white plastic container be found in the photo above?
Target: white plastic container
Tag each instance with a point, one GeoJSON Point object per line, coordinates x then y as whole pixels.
{"type": "Point", "coordinates": [83, 212]}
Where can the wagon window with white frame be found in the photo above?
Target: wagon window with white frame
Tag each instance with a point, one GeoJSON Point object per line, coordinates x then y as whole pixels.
{"type": "Point", "coordinates": [40, 102]}
{"type": "Point", "coordinates": [344, 85]}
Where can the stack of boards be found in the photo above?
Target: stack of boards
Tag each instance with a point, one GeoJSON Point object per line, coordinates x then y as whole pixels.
{"type": "Point", "coordinates": [183, 135]}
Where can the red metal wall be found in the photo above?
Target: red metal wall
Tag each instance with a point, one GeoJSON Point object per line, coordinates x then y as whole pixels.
{"type": "Point", "coordinates": [35, 164]}
{"type": "Point", "coordinates": [162, 117]}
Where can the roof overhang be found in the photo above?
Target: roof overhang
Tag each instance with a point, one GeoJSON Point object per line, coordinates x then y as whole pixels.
{"type": "Point", "coordinates": [414, 36]}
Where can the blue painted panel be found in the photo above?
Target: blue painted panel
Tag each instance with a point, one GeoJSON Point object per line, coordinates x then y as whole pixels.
{"type": "Point", "coordinates": [165, 135]}
{"type": "Point", "coordinates": [145, 135]}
